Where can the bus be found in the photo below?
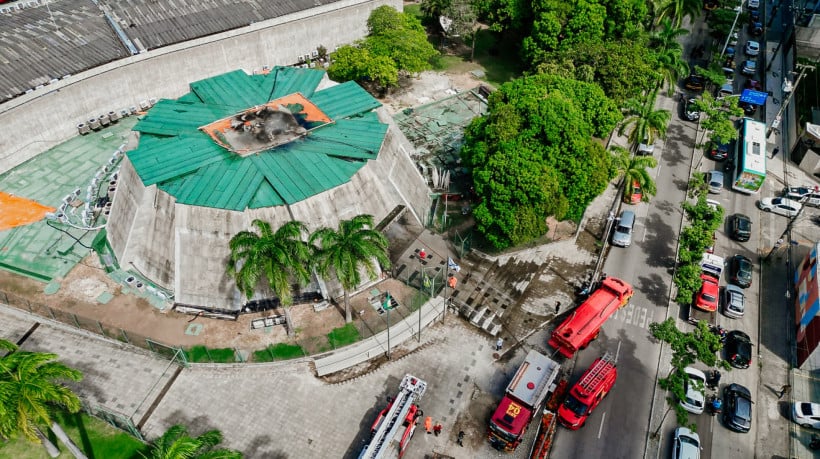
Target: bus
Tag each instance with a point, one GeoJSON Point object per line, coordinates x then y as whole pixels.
{"type": "Point", "coordinates": [750, 157]}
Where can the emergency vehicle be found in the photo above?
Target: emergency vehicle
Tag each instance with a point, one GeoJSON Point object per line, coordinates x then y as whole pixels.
{"type": "Point", "coordinates": [394, 427]}
{"type": "Point", "coordinates": [525, 394]}
{"type": "Point", "coordinates": [588, 392]}
{"type": "Point", "coordinates": [585, 322]}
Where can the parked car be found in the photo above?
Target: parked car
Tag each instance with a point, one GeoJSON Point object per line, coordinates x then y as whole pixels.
{"type": "Point", "coordinates": [806, 414]}
{"type": "Point", "coordinates": [738, 349]}
{"type": "Point", "coordinates": [636, 196]}
{"type": "Point", "coordinates": [749, 67]}
{"type": "Point", "coordinates": [695, 82]}
{"type": "Point", "coordinates": [753, 4]}
{"type": "Point", "coordinates": [686, 444]}
{"type": "Point", "coordinates": [754, 16]}
{"type": "Point", "coordinates": [740, 271]}
{"type": "Point", "coordinates": [756, 29]}
{"type": "Point", "coordinates": [690, 112]}
{"type": "Point", "coordinates": [719, 151]}
{"type": "Point", "coordinates": [714, 179]}
{"type": "Point", "coordinates": [740, 227]}
{"type": "Point", "coordinates": [707, 297]}
{"type": "Point", "coordinates": [645, 149]}
{"type": "Point", "coordinates": [726, 90]}
{"type": "Point", "coordinates": [695, 389]}
{"type": "Point", "coordinates": [749, 109]}
{"type": "Point", "coordinates": [752, 48]}
{"type": "Point", "coordinates": [729, 73]}
{"type": "Point", "coordinates": [734, 302]}
{"type": "Point", "coordinates": [737, 411]}
{"type": "Point", "coordinates": [622, 234]}
{"type": "Point", "coordinates": [780, 206]}
{"type": "Point", "coordinates": [733, 39]}
{"type": "Point", "coordinates": [753, 84]}
{"type": "Point", "coordinates": [803, 195]}
{"type": "Point", "coordinates": [711, 5]}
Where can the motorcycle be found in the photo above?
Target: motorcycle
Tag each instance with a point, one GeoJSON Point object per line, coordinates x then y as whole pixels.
{"type": "Point", "coordinates": [715, 405]}
{"type": "Point", "coordinates": [712, 379]}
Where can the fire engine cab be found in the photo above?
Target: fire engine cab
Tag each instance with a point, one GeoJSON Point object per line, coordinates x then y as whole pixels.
{"type": "Point", "coordinates": [588, 392]}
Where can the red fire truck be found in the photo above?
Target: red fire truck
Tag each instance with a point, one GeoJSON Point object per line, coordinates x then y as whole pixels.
{"type": "Point", "coordinates": [588, 392]}
{"type": "Point", "coordinates": [522, 400]}
{"type": "Point", "coordinates": [397, 422]}
{"type": "Point", "coordinates": [585, 322]}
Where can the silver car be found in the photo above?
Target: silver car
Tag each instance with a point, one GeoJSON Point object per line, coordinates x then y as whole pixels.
{"type": "Point", "coordinates": [695, 390]}
{"type": "Point", "coordinates": [715, 181]}
{"type": "Point", "coordinates": [733, 301]}
{"type": "Point", "coordinates": [686, 444]}
{"type": "Point", "coordinates": [622, 235]}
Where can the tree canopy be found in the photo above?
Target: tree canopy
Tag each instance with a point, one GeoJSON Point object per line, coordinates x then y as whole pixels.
{"type": "Point", "coordinates": [534, 155]}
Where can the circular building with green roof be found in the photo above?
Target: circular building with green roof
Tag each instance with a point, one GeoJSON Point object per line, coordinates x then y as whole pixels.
{"type": "Point", "coordinates": [287, 145]}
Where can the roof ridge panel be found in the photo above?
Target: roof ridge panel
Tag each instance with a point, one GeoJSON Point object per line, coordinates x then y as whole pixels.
{"type": "Point", "coordinates": [344, 100]}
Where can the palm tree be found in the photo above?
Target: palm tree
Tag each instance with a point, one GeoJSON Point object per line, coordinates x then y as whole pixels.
{"type": "Point", "coordinates": [29, 387]}
{"type": "Point", "coordinates": [672, 66]}
{"type": "Point", "coordinates": [355, 245]}
{"type": "Point", "coordinates": [176, 443]}
{"type": "Point", "coordinates": [279, 257]}
{"type": "Point", "coordinates": [634, 170]}
{"type": "Point", "coordinates": [666, 37]}
{"type": "Point", "coordinates": [676, 10]}
{"type": "Point", "coordinates": [646, 122]}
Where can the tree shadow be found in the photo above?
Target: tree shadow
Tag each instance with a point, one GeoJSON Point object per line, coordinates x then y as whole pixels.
{"type": "Point", "coordinates": [366, 423]}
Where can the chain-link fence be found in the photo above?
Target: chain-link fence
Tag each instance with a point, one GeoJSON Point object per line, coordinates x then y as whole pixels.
{"type": "Point", "coordinates": [113, 417]}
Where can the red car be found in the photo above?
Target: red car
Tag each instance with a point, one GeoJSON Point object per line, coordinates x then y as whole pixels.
{"type": "Point", "coordinates": [707, 298]}
{"type": "Point", "coordinates": [753, 84]}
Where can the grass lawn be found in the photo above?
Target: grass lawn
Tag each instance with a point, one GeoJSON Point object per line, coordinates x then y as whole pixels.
{"type": "Point", "coordinates": [202, 354]}
{"type": "Point", "coordinates": [281, 351]}
{"type": "Point", "coordinates": [342, 336]}
{"type": "Point", "coordinates": [97, 439]}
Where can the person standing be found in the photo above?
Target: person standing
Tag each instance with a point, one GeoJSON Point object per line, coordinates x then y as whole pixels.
{"type": "Point", "coordinates": [437, 429]}
{"type": "Point", "coordinates": [428, 424]}
{"type": "Point", "coordinates": [499, 343]}
{"type": "Point", "coordinates": [460, 438]}
{"type": "Point", "coordinates": [775, 152]}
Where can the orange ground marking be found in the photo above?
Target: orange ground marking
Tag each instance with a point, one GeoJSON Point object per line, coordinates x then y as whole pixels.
{"type": "Point", "coordinates": [16, 211]}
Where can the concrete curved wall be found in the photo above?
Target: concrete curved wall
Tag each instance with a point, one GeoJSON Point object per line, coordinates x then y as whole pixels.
{"type": "Point", "coordinates": [35, 122]}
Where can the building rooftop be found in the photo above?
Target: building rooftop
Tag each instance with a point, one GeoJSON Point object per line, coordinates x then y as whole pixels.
{"type": "Point", "coordinates": [196, 149]}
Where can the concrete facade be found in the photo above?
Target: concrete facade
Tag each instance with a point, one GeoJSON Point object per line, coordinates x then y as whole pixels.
{"type": "Point", "coordinates": [48, 116]}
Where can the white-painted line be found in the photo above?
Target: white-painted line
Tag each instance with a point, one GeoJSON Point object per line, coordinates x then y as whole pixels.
{"type": "Point", "coordinates": [642, 319]}
{"type": "Point", "coordinates": [601, 428]}
{"type": "Point", "coordinates": [629, 313]}
{"type": "Point", "coordinates": [618, 351]}
{"type": "Point", "coordinates": [658, 170]}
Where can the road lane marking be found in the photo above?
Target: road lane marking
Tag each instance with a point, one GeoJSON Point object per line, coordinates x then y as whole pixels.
{"type": "Point", "coordinates": [642, 317]}
{"type": "Point", "coordinates": [618, 351]}
{"type": "Point", "coordinates": [601, 428]}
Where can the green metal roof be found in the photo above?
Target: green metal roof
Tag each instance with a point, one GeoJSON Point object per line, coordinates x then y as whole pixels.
{"type": "Point", "coordinates": [186, 163]}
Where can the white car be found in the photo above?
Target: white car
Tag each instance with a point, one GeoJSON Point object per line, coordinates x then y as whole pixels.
{"type": "Point", "coordinates": [694, 387]}
{"type": "Point", "coordinates": [780, 206]}
{"type": "Point", "coordinates": [686, 444]}
{"type": "Point", "coordinates": [806, 414]}
{"type": "Point", "coordinates": [733, 302]}
{"type": "Point", "coordinates": [754, 4]}
{"type": "Point", "coordinates": [715, 181]}
{"type": "Point", "coordinates": [752, 48]}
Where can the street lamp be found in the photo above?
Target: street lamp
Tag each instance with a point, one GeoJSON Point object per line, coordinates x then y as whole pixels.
{"type": "Point", "coordinates": [739, 10]}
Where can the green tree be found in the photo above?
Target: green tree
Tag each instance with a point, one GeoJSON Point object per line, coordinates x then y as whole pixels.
{"type": "Point", "coordinates": [279, 257]}
{"type": "Point", "coordinates": [354, 246]}
{"type": "Point", "coordinates": [533, 155]}
{"type": "Point", "coordinates": [31, 384]}
{"type": "Point", "coordinates": [717, 117]}
{"type": "Point", "coordinates": [687, 348]}
{"type": "Point", "coordinates": [676, 10]}
{"type": "Point", "coordinates": [353, 63]}
{"type": "Point", "coordinates": [177, 443]}
{"type": "Point", "coordinates": [432, 9]}
{"type": "Point", "coordinates": [634, 169]}
{"type": "Point", "coordinates": [666, 36]}
{"type": "Point", "coordinates": [671, 66]}
{"type": "Point", "coordinates": [645, 121]}
{"type": "Point", "coordinates": [401, 37]}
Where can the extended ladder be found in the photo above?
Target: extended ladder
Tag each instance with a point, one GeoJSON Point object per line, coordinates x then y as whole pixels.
{"type": "Point", "coordinates": [410, 390]}
{"type": "Point", "coordinates": [596, 373]}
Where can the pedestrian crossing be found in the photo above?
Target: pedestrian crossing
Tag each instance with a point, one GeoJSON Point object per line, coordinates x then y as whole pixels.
{"type": "Point", "coordinates": [638, 316]}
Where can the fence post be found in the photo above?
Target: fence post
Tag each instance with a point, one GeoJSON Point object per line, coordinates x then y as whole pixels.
{"type": "Point", "coordinates": [76, 322]}
{"type": "Point", "coordinates": [102, 330]}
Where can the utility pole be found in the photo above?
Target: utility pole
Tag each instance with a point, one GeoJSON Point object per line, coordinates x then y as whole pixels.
{"type": "Point", "coordinates": [785, 103]}
{"type": "Point", "coordinates": [739, 10]}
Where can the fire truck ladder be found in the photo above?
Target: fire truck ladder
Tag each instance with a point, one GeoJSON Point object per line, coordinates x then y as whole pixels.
{"type": "Point", "coordinates": [410, 390]}
{"type": "Point", "coordinates": [597, 374]}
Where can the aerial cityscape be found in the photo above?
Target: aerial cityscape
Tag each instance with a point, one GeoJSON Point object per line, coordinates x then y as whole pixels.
{"type": "Point", "coordinates": [422, 229]}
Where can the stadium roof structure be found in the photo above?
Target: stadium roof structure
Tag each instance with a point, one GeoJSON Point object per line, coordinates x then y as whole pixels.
{"type": "Point", "coordinates": [239, 141]}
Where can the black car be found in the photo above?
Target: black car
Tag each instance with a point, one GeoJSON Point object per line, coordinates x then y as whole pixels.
{"type": "Point", "coordinates": [695, 82]}
{"type": "Point", "coordinates": [740, 271]}
{"type": "Point", "coordinates": [737, 412]}
{"type": "Point", "coordinates": [718, 152]}
{"type": "Point", "coordinates": [754, 16]}
{"type": "Point", "coordinates": [740, 227]}
{"type": "Point", "coordinates": [756, 29]}
{"type": "Point", "coordinates": [690, 111]}
{"type": "Point", "coordinates": [738, 349]}
{"type": "Point", "coordinates": [749, 109]}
